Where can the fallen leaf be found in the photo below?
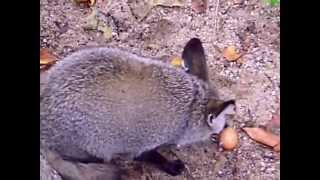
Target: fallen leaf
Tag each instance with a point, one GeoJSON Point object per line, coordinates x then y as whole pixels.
{"type": "Point", "coordinates": [91, 21]}
{"type": "Point", "coordinates": [86, 2]}
{"type": "Point", "coordinates": [107, 31]}
{"type": "Point", "coordinates": [46, 58]}
{"type": "Point", "coordinates": [177, 62]}
{"type": "Point", "coordinates": [199, 6]}
{"type": "Point", "coordinates": [231, 54]}
{"type": "Point", "coordinates": [277, 148]}
{"type": "Point", "coordinates": [272, 3]}
{"type": "Point", "coordinates": [168, 3]}
{"type": "Point", "coordinates": [263, 136]}
{"type": "Point", "coordinates": [140, 9]}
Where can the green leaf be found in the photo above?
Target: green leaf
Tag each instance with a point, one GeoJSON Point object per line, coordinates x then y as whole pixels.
{"type": "Point", "coordinates": [273, 2]}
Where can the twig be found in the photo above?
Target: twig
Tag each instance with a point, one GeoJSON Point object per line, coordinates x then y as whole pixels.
{"type": "Point", "coordinates": [216, 19]}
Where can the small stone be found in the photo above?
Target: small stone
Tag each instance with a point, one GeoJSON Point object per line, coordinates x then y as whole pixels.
{"type": "Point", "coordinates": [262, 168]}
{"type": "Point", "coordinates": [268, 155]}
{"type": "Point", "coordinates": [244, 138]}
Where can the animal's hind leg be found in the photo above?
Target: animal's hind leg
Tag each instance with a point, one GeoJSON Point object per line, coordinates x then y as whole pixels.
{"type": "Point", "coordinates": [173, 168]}
{"type": "Point", "coordinates": [86, 160]}
{"type": "Point", "coordinates": [69, 170]}
{"type": "Point", "coordinates": [78, 155]}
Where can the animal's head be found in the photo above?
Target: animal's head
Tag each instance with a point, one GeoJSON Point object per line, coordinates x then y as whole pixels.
{"type": "Point", "coordinates": [215, 109]}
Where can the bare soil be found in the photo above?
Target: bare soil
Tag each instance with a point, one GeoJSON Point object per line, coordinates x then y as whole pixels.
{"type": "Point", "coordinates": [251, 26]}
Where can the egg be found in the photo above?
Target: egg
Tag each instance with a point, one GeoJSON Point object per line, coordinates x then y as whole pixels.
{"type": "Point", "coordinates": [229, 138]}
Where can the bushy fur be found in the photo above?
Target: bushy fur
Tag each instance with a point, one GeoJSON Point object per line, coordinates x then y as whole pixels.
{"type": "Point", "coordinates": [103, 101]}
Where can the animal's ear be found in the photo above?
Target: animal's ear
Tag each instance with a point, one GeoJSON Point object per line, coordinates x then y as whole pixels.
{"type": "Point", "coordinates": [218, 106]}
{"type": "Point", "coordinates": [194, 59]}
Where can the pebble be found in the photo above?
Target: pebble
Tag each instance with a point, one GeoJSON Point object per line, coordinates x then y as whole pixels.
{"type": "Point", "coordinates": [268, 155]}
{"type": "Point", "coordinates": [190, 24]}
{"type": "Point", "coordinates": [262, 169]}
{"type": "Point", "coordinates": [244, 138]}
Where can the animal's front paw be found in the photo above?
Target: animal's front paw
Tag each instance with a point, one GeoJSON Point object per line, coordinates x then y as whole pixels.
{"type": "Point", "coordinates": [174, 168]}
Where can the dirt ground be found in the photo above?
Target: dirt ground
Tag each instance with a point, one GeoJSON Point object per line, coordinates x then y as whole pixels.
{"type": "Point", "coordinates": [251, 26]}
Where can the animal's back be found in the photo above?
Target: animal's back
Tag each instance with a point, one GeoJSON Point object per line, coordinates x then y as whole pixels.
{"type": "Point", "coordinates": [104, 101]}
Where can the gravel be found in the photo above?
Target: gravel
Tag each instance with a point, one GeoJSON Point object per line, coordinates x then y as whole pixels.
{"type": "Point", "coordinates": [251, 26]}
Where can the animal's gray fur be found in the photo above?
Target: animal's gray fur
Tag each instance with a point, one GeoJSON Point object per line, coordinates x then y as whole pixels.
{"type": "Point", "coordinates": [101, 102]}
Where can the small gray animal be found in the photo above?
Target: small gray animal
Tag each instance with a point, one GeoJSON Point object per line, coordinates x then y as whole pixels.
{"type": "Point", "coordinates": [100, 102]}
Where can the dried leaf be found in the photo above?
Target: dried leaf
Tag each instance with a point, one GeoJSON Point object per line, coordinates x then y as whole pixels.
{"type": "Point", "coordinates": [177, 62]}
{"type": "Point", "coordinates": [91, 21]}
{"type": "Point", "coordinates": [141, 9]}
{"type": "Point", "coordinates": [107, 31]}
{"type": "Point", "coordinates": [263, 136]}
{"type": "Point", "coordinates": [231, 54]}
{"type": "Point", "coordinates": [277, 148]}
{"type": "Point", "coordinates": [46, 58]}
{"type": "Point", "coordinates": [168, 3]}
{"type": "Point", "coordinates": [199, 6]}
{"type": "Point", "coordinates": [86, 2]}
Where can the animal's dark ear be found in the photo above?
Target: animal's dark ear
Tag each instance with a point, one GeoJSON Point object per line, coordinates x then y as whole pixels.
{"type": "Point", "coordinates": [194, 59]}
{"type": "Point", "coordinates": [217, 106]}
